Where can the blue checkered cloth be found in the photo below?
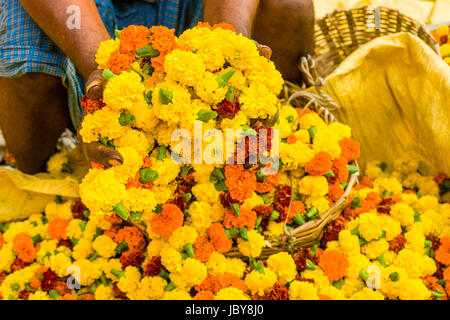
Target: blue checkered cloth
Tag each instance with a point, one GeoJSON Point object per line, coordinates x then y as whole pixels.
{"type": "Point", "coordinates": [25, 48]}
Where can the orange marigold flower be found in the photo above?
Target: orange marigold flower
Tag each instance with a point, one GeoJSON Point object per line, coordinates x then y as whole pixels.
{"type": "Point", "coordinates": [224, 26]}
{"type": "Point", "coordinates": [57, 229]}
{"type": "Point", "coordinates": [268, 184]}
{"type": "Point", "coordinates": [119, 62]}
{"type": "Point", "coordinates": [292, 139]}
{"type": "Point", "coordinates": [246, 218]}
{"type": "Point", "coordinates": [24, 247]}
{"type": "Point", "coordinates": [323, 297]}
{"type": "Point", "coordinates": [154, 78]}
{"type": "Point", "coordinates": [240, 182]}
{"type": "Point", "coordinates": [202, 24]}
{"type": "Point", "coordinates": [303, 112]}
{"type": "Point", "coordinates": [113, 218]}
{"type": "Point", "coordinates": [221, 281]}
{"type": "Point", "coordinates": [219, 239]}
{"type": "Point", "coordinates": [167, 221]}
{"type": "Point", "coordinates": [204, 295]}
{"type": "Point", "coordinates": [134, 37]}
{"type": "Point", "coordinates": [350, 149]}
{"type": "Point", "coordinates": [132, 236]}
{"type": "Point", "coordinates": [335, 191]}
{"type": "Point", "coordinates": [319, 165]}
{"type": "Point", "coordinates": [334, 264]}
{"type": "Point", "coordinates": [340, 169]}
{"type": "Point", "coordinates": [443, 253]}
{"type": "Point", "coordinates": [67, 296]}
{"type": "Point", "coordinates": [163, 40]}
{"type": "Point", "coordinates": [203, 249]}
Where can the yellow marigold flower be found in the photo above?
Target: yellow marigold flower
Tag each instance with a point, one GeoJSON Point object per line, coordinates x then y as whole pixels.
{"type": "Point", "coordinates": [183, 236]}
{"type": "Point", "coordinates": [73, 230]}
{"type": "Point", "coordinates": [415, 238]}
{"type": "Point", "coordinates": [274, 230]}
{"type": "Point", "coordinates": [104, 293]}
{"type": "Point", "coordinates": [105, 246]}
{"type": "Point", "coordinates": [406, 165]}
{"type": "Point", "coordinates": [60, 263]}
{"type": "Point", "coordinates": [302, 291]}
{"type": "Point", "coordinates": [393, 279]}
{"type": "Point", "coordinates": [200, 215]}
{"type": "Point", "coordinates": [415, 264]}
{"type": "Point", "coordinates": [320, 279]}
{"type": "Point", "coordinates": [46, 247]}
{"type": "Point", "coordinates": [326, 140]}
{"type": "Point", "coordinates": [320, 203]}
{"type": "Point", "coordinates": [122, 91]}
{"type": "Point", "coordinates": [139, 200]}
{"type": "Point", "coordinates": [257, 102]}
{"type": "Point", "coordinates": [129, 282]}
{"type": "Point", "coordinates": [7, 257]}
{"type": "Point", "coordinates": [218, 212]}
{"type": "Point", "coordinates": [176, 294]}
{"type": "Point", "coordinates": [56, 162]}
{"type": "Point", "coordinates": [348, 243]}
{"type": "Point", "coordinates": [373, 170]}
{"type": "Point", "coordinates": [402, 213]}
{"type": "Point", "coordinates": [429, 187]}
{"type": "Point", "coordinates": [352, 285]}
{"type": "Point", "coordinates": [283, 265]}
{"type": "Point", "coordinates": [167, 170]}
{"type": "Point", "coordinates": [39, 296]}
{"type": "Point", "coordinates": [375, 248]}
{"type": "Point", "coordinates": [89, 271]}
{"type": "Point", "coordinates": [315, 186]}
{"type": "Point", "coordinates": [391, 227]}
{"type": "Point", "coordinates": [370, 226]}
{"type": "Point", "coordinates": [427, 202]}
{"type": "Point", "coordinates": [414, 289]}
{"type": "Point", "coordinates": [258, 282]}
{"type": "Point", "coordinates": [103, 122]}
{"type": "Point", "coordinates": [61, 211]}
{"type": "Point", "coordinates": [184, 67]}
{"type": "Point", "coordinates": [205, 192]}
{"type": "Point", "coordinates": [295, 155]}
{"type": "Point", "coordinates": [108, 265]}
{"type": "Point", "coordinates": [341, 130]}
{"type": "Point", "coordinates": [357, 262]}
{"type": "Point", "coordinates": [433, 223]}
{"type": "Point", "coordinates": [312, 120]}
{"type": "Point", "coordinates": [104, 52]}
{"type": "Point", "coordinates": [231, 293]}
{"type": "Point", "coordinates": [151, 288]}
{"type": "Point", "coordinates": [100, 190]}
{"type": "Point", "coordinates": [83, 249]}
{"type": "Point", "coordinates": [155, 247]}
{"type": "Point", "coordinates": [284, 128]}
{"type": "Point", "coordinates": [193, 272]}
{"type": "Point", "coordinates": [171, 259]}
{"type": "Point", "coordinates": [235, 266]}
{"type": "Point", "coordinates": [135, 139]}
{"type": "Point", "coordinates": [367, 294]}
{"type": "Point", "coordinates": [253, 246]}
{"type": "Point", "coordinates": [388, 184]}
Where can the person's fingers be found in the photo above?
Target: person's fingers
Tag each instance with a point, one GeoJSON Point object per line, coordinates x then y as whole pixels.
{"type": "Point", "coordinates": [264, 50]}
{"type": "Point", "coordinates": [97, 152]}
{"type": "Point", "coordinates": [95, 85]}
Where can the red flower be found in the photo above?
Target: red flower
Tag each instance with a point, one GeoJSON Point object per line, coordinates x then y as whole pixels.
{"type": "Point", "coordinates": [227, 109]}
{"type": "Point", "coordinates": [153, 267]}
{"type": "Point", "coordinates": [91, 105]}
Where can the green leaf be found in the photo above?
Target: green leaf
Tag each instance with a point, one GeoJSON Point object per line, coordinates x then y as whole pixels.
{"type": "Point", "coordinates": [223, 79]}
{"type": "Point", "coordinates": [146, 175]}
{"type": "Point", "coordinates": [108, 74]}
{"type": "Point", "coordinates": [126, 119]}
{"type": "Point", "coordinates": [166, 96]}
{"type": "Point", "coordinates": [205, 116]}
{"type": "Point", "coordinates": [147, 52]}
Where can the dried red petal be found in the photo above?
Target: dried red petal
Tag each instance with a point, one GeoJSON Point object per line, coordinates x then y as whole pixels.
{"type": "Point", "coordinates": [153, 267]}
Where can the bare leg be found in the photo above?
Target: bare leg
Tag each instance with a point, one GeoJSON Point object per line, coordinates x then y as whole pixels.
{"type": "Point", "coordinates": [287, 27]}
{"type": "Point", "coordinates": [33, 114]}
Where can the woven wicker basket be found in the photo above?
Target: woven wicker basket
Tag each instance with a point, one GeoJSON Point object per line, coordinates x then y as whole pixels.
{"type": "Point", "coordinates": [340, 33]}
{"type": "Point", "coordinates": [311, 232]}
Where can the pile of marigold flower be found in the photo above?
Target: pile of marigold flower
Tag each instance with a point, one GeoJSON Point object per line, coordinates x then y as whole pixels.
{"type": "Point", "coordinates": [441, 34]}
{"type": "Point", "coordinates": [149, 228]}
{"type": "Point", "coordinates": [391, 242]}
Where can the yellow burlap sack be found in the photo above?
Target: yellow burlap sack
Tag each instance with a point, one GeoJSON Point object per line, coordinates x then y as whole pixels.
{"type": "Point", "coordinates": [22, 195]}
{"type": "Point", "coordinates": [395, 95]}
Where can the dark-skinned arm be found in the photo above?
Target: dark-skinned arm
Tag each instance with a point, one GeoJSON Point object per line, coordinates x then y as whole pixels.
{"type": "Point", "coordinates": [80, 45]}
